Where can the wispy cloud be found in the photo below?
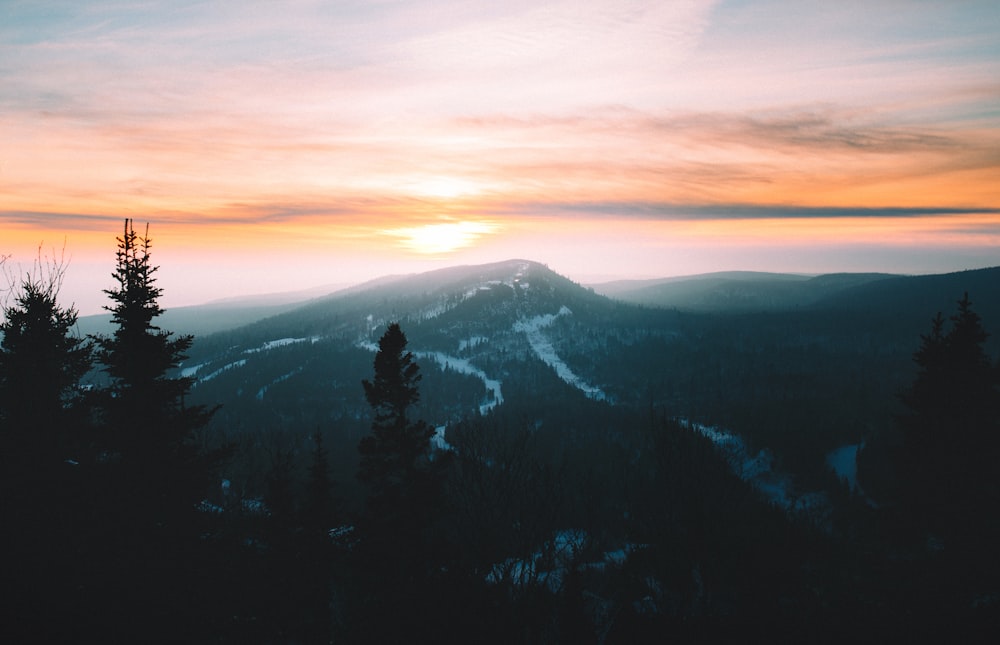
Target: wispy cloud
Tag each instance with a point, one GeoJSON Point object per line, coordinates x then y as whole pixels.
{"type": "Point", "coordinates": [350, 118]}
{"type": "Point", "coordinates": [695, 212]}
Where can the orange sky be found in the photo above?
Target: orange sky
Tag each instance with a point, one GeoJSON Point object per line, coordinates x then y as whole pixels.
{"type": "Point", "coordinates": [279, 146]}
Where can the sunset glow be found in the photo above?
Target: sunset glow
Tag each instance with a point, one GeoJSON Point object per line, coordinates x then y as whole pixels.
{"type": "Point", "coordinates": [441, 238]}
{"type": "Point", "coordinates": [279, 146]}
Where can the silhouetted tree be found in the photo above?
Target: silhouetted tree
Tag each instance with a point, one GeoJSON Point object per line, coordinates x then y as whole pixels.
{"type": "Point", "coordinates": [395, 458]}
{"type": "Point", "coordinates": [279, 497]}
{"type": "Point", "coordinates": [319, 509]}
{"type": "Point", "coordinates": [503, 499]}
{"type": "Point", "coordinates": [319, 513]}
{"type": "Point", "coordinates": [399, 555]}
{"type": "Point", "coordinates": [951, 428]}
{"type": "Point", "coordinates": [42, 429]}
{"type": "Point", "coordinates": [145, 413]}
{"type": "Point", "coordinates": [152, 473]}
{"type": "Point", "coordinates": [41, 361]}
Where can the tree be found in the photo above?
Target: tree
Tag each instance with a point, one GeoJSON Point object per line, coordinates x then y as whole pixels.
{"type": "Point", "coordinates": [41, 360]}
{"type": "Point", "coordinates": [399, 555]}
{"type": "Point", "coordinates": [42, 426]}
{"type": "Point", "coordinates": [395, 457]}
{"type": "Point", "coordinates": [951, 427]}
{"type": "Point", "coordinates": [318, 515]}
{"type": "Point", "coordinates": [145, 533]}
{"type": "Point", "coordinates": [319, 509]}
{"type": "Point", "coordinates": [145, 410]}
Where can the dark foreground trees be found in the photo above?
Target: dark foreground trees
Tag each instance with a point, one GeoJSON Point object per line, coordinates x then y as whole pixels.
{"type": "Point", "coordinates": [395, 460]}
{"type": "Point", "coordinates": [41, 364]}
{"type": "Point", "coordinates": [147, 431]}
{"type": "Point", "coordinates": [951, 431]}
{"type": "Point", "coordinates": [106, 538]}
{"type": "Point", "coordinates": [144, 408]}
{"type": "Point", "coordinates": [400, 552]}
{"type": "Point", "coordinates": [42, 443]}
{"type": "Point", "coordinates": [149, 461]}
{"type": "Point", "coordinates": [602, 528]}
{"type": "Point", "coordinates": [938, 493]}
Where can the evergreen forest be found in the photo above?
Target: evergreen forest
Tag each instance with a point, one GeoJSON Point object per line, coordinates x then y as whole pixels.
{"type": "Point", "coordinates": [581, 470]}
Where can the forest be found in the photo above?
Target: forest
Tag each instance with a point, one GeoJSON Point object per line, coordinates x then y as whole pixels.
{"type": "Point", "coordinates": [380, 498]}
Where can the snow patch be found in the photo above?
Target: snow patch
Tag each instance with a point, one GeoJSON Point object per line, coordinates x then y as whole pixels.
{"type": "Point", "coordinates": [463, 366]}
{"type": "Point", "coordinates": [281, 342]}
{"type": "Point", "coordinates": [532, 328]}
{"type": "Point", "coordinates": [471, 343]}
{"type": "Point", "coordinates": [188, 372]}
{"type": "Point", "coordinates": [758, 471]}
{"type": "Point", "coordinates": [224, 368]}
{"type": "Point", "coordinates": [550, 565]}
{"type": "Point", "coordinates": [843, 462]}
{"type": "Point", "coordinates": [284, 377]}
{"type": "Point", "coordinates": [438, 442]}
{"type": "Point", "coordinates": [433, 311]}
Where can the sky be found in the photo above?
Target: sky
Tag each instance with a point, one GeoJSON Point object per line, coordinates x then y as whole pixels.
{"type": "Point", "coordinates": [278, 145]}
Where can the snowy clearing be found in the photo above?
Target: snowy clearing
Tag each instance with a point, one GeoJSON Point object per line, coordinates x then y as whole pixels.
{"type": "Point", "coordinates": [465, 367]}
{"type": "Point", "coordinates": [843, 462]}
{"type": "Point", "coordinates": [758, 471]}
{"type": "Point", "coordinates": [532, 328]}
{"type": "Point", "coordinates": [233, 365]}
{"type": "Point", "coordinates": [284, 377]}
{"type": "Point", "coordinates": [281, 342]}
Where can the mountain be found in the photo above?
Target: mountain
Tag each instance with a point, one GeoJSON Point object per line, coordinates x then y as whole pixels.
{"type": "Point", "coordinates": [620, 467]}
{"type": "Point", "coordinates": [503, 316]}
{"type": "Point", "coordinates": [219, 315]}
{"type": "Point", "coordinates": [734, 290]}
{"type": "Point", "coordinates": [512, 333]}
{"type": "Point", "coordinates": [519, 343]}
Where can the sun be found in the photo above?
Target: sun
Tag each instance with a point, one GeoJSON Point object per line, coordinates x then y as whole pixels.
{"type": "Point", "coordinates": [434, 239]}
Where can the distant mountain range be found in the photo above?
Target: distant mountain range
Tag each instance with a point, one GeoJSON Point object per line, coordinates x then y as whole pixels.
{"type": "Point", "coordinates": [219, 315]}
{"type": "Point", "coordinates": [745, 291]}
{"type": "Point", "coordinates": [735, 290]}
{"type": "Point", "coordinates": [721, 292]}
{"type": "Point", "coordinates": [797, 364]}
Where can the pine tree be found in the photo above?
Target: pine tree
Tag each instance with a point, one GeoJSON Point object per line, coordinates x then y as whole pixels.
{"type": "Point", "coordinates": [400, 552]}
{"type": "Point", "coordinates": [145, 409]}
{"type": "Point", "coordinates": [396, 453]}
{"type": "Point", "coordinates": [318, 515]}
{"type": "Point", "coordinates": [951, 427]}
{"type": "Point", "coordinates": [43, 430]}
{"type": "Point", "coordinates": [41, 362]}
{"type": "Point", "coordinates": [147, 530]}
{"type": "Point", "coordinates": [319, 509]}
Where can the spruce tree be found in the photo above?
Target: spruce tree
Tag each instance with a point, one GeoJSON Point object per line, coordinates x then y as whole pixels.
{"type": "Point", "coordinates": [395, 456]}
{"type": "Point", "coordinates": [399, 557]}
{"type": "Point", "coordinates": [147, 432]}
{"type": "Point", "coordinates": [951, 429]}
{"type": "Point", "coordinates": [41, 363]}
{"type": "Point", "coordinates": [318, 512]}
{"type": "Point", "coordinates": [42, 465]}
{"type": "Point", "coordinates": [148, 420]}
{"type": "Point", "coordinates": [152, 473]}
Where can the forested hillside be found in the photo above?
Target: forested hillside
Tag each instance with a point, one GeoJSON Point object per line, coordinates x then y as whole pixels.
{"type": "Point", "coordinates": [496, 454]}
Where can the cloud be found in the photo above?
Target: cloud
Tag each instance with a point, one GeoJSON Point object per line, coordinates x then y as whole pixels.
{"type": "Point", "coordinates": [57, 221]}
{"type": "Point", "coordinates": [696, 212]}
{"type": "Point", "coordinates": [281, 112]}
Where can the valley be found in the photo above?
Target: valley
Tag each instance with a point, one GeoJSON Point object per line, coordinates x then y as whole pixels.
{"type": "Point", "coordinates": [730, 454]}
{"type": "Point", "coordinates": [517, 336]}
